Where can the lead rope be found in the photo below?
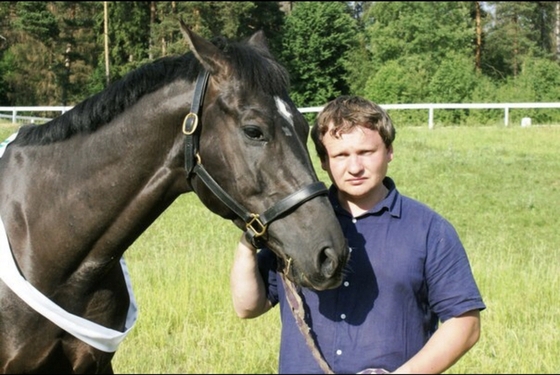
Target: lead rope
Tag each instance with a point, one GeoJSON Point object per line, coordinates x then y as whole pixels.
{"type": "Point", "coordinates": [296, 305]}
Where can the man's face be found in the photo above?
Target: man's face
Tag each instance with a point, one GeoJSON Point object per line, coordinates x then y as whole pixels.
{"type": "Point", "coordinates": [357, 162]}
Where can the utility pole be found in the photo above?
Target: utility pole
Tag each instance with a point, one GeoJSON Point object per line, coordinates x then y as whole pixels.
{"type": "Point", "coordinates": [106, 34]}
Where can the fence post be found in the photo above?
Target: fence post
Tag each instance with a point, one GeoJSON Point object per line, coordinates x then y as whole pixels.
{"type": "Point", "coordinates": [430, 117]}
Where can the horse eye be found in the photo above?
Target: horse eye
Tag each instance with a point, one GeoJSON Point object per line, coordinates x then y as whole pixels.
{"type": "Point", "coordinates": [253, 132]}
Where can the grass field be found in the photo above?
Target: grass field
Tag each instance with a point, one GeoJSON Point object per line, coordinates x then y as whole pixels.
{"type": "Point", "coordinates": [500, 187]}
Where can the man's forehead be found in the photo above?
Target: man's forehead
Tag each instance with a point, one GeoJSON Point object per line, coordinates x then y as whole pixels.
{"type": "Point", "coordinates": [347, 127]}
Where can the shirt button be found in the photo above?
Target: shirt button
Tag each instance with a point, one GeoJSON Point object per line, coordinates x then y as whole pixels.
{"type": "Point", "coordinates": [354, 220]}
{"type": "Point", "coordinates": [338, 352]}
{"type": "Point", "coordinates": [346, 283]}
{"type": "Point", "coordinates": [343, 316]}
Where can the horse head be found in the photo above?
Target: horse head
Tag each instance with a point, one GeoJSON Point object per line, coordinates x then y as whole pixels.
{"type": "Point", "coordinates": [247, 160]}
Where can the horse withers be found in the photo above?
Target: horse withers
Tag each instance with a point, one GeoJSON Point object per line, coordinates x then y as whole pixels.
{"type": "Point", "coordinates": [76, 192]}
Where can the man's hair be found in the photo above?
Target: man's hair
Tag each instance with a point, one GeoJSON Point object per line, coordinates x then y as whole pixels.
{"type": "Point", "coordinates": [347, 112]}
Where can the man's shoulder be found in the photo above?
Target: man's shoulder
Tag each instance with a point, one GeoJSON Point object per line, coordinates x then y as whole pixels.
{"type": "Point", "coordinates": [415, 209]}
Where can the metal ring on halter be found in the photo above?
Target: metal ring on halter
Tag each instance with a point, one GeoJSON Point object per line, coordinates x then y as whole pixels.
{"type": "Point", "coordinates": [190, 116]}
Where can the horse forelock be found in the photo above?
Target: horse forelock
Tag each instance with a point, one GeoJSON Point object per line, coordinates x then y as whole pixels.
{"type": "Point", "coordinates": [257, 68]}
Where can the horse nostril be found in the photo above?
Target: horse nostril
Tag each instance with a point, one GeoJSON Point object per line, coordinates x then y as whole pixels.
{"type": "Point", "coordinates": [328, 262]}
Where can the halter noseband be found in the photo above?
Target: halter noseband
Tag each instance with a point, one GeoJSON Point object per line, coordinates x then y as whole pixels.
{"type": "Point", "coordinates": [256, 224]}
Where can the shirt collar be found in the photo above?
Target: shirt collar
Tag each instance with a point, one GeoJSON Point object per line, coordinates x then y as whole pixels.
{"type": "Point", "coordinates": [392, 201]}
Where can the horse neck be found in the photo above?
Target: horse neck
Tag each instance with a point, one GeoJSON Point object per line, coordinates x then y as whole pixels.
{"type": "Point", "coordinates": [103, 189]}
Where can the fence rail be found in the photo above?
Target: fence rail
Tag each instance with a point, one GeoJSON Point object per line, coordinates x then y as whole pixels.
{"type": "Point", "coordinates": [15, 110]}
{"type": "Point", "coordinates": [431, 106]}
{"type": "Point", "coordinates": [421, 106]}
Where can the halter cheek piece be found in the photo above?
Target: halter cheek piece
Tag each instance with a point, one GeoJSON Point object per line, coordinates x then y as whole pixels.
{"type": "Point", "coordinates": [256, 224]}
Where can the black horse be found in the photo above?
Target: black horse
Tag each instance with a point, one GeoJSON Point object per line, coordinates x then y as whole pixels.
{"type": "Point", "coordinates": [76, 192]}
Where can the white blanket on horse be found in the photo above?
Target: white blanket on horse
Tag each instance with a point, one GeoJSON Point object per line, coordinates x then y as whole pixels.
{"type": "Point", "coordinates": [5, 143]}
{"type": "Point", "coordinates": [98, 336]}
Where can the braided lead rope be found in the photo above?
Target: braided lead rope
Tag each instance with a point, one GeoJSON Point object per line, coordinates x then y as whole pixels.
{"type": "Point", "coordinates": [296, 305]}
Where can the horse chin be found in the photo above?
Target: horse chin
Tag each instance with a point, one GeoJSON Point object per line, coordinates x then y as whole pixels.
{"type": "Point", "coordinates": [318, 284]}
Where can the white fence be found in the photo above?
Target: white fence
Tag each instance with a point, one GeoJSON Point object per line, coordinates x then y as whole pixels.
{"type": "Point", "coordinates": [15, 117]}
{"type": "Point", "coordinates": [423, 106]}
{"type": "Point", "coordinates": [431, 106]}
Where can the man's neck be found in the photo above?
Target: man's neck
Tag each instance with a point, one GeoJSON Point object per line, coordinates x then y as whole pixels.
{"type": "Point", "coordinates": [357, 206]}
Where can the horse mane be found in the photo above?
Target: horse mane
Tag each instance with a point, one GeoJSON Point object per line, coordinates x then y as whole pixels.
{"type": "Point", "coordinates": [251, 64]}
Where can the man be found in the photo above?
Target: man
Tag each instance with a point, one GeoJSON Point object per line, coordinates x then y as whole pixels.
{"type": "Point", "coordinates": [409, 302]}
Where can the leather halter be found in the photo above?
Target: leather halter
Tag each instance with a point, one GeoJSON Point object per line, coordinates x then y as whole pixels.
{"type": "Point", "coordinates": [256, 224]}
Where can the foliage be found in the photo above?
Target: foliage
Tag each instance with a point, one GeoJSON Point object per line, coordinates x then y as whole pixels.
{"type": "Point", "coordinates": [234, 20]}
{"type": "Point", "coordinates": [401, 81]}
{"type": "Point", "coordinates": [538, 80]}
{"type": "Point", "coordinates": [428, 29]}
{"type": "Point", "coordinates": [129, 35]}
{"type": "Point", "coordinates": [37, 21]}
{"type": "Point", "coordinates": [485, 90]}
{"type": "Point", "coordinates": [6, 64]}
{"type": "Point", "coordinates": [53, 53]}
{"type": "Point", "coordinates": [453, 82]}
{"type": "Point", "coordinates": [523, 25]}
{"type": "Point", "coordinates": [317, 39]}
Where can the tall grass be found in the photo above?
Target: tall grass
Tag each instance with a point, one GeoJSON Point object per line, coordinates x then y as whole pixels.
{"type": "Point", "coordinates": [500, 187]}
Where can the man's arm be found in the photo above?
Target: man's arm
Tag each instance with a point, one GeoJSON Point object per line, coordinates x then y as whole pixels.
{"type": "Point", "coordinates": [450, 342]}
{"type": "Point", "coordinates": [247, 287]}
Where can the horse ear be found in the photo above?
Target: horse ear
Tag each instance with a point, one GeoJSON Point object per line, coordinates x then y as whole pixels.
{"type": "Point", "coordinates": [259, 40]}
{"type": "Point", "coordinates": [207, 53]}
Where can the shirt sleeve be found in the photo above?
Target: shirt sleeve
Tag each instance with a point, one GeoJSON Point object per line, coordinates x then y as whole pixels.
{"type": "Point", "coordinates": [452, 289]}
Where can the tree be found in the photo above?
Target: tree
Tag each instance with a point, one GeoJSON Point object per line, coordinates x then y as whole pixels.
{"type": "Point", "coordinates": [418, 37]}
{"type": "Point", "coordinates": [235, 20]}
{"type": "Point", "coordinates": [318, 37]}
{"type": "Point", "coordinates": [453, 82]}
{"type": "Point", "coordinates": [33, 45]}
{"type": "Point", "coordinates": [359, 57]}
{"type": "Point", "coordinates": [7, 65]}
{"type": "Point", "coordinates": [37, 21]}
{"type": "Point", "coordinates": [129, 36]}
{"type": "Point", "coordinates": [519, 28]}
{"type": "Point", "coordinates": [81, 52]}
{"type": "Point", "coordinates": [268, 17]}
{"type": "Point", "coordinates": [49, 53]}
{"type": "Point", "coordinates": [429, 29]}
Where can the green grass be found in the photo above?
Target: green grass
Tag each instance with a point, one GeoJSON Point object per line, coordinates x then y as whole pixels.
{"type": "Point", "coordinates": [500, 187]}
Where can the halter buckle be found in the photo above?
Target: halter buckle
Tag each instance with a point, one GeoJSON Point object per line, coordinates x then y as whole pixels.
{"type": "Point", "coordinates": [255, 219]}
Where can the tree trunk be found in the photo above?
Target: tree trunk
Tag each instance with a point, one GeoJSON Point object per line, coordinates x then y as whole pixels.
{"type": "Point", "coordinates": [153, 16]}
{"type": "Point", "coordinates": [106, 34]}
{"type": "Point", "coordinates": [478, 52]}
{"type": "Point", "coordinates": [557, 30]}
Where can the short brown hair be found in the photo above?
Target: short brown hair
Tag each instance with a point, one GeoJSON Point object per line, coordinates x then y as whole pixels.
{"type": "Point", "coordinates": [347, 112]}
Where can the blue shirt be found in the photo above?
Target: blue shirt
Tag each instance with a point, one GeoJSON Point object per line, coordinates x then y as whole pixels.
{"type": "Point", "coordinates": [408, 270]}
